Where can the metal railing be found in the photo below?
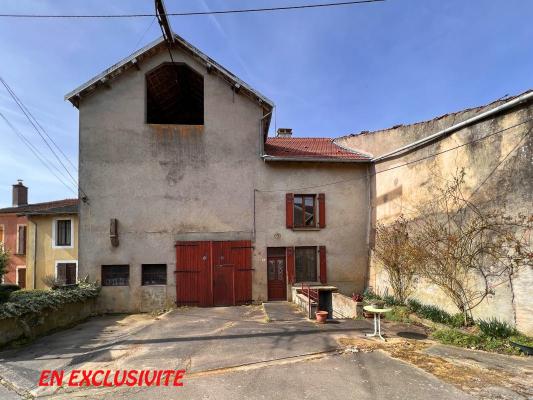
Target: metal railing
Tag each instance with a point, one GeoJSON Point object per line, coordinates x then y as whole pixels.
{"type": "Point", "coordinates": [312, 296]}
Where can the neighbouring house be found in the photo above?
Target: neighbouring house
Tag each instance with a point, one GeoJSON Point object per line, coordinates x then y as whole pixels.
{"type": "Point", "coordinates": [13, 234]}
{"type": "Point", "coordinates": [494, 145]}
{"type": "Point", "coordinates": [42, 239]}
{"type": "Point", "coordinates": [189, 201]}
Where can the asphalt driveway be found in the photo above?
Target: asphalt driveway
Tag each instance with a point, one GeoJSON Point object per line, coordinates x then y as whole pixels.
{"type": "Point", "coordinates": [227, 352]}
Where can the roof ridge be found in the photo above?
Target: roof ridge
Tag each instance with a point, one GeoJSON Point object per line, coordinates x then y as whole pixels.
{"type": "Point", "coordinates": [438, 117]}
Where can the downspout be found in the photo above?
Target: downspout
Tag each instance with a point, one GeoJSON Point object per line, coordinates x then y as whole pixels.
{"type": "Point", "coordinates": [34, 254]}
{"type": "Point", "coordinates": [261, 137]}
{"type": "Point", "coordinates": [520, 99]}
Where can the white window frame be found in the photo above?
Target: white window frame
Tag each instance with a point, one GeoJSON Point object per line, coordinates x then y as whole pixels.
{"type": "Point", "coordinates": [17, 274]}
{"type": "Point", "coordinates": [17, 244]}
{"type": "Point", "coordinates": [65, 262]}
{"type": "Point", "coordinates": [54, 229]}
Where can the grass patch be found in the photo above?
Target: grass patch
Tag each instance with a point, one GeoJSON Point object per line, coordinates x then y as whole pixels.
{"type": "Point", "coordinates": [456, 337]}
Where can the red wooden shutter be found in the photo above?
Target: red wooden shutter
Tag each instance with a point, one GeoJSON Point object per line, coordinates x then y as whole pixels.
{"type": "Point", "coordinates": [321, 210]}
{"type": "Point", "coordinates": [289, 207]}
{"type": "Point", "coordinates": [290, 265]}
{"type": "Point", "coordinates": [323, 265]}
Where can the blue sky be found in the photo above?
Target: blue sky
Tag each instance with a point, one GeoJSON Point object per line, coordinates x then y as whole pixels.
{"type": "Point", "coordinates": [330, 72]}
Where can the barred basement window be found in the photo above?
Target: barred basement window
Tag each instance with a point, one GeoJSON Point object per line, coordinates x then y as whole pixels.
{"type": "Point", "coordinates": [174, 95]}
{"type": "Point", "coordinates": [115, 275]}
{"type": "Point", "coordinates": [154, 274]}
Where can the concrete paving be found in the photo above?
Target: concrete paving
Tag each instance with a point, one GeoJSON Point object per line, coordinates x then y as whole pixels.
{"type": "Point", "coordinates": [228, 352]}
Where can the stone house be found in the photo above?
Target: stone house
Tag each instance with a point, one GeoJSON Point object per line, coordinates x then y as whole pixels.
{"type": "Point", "coordinates": [42, 239]}
{"type": "Point", "coordinates": [188, 200]}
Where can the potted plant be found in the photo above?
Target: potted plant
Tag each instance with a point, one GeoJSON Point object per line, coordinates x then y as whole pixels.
{"type": "Point", "coordinates": [321, 317]}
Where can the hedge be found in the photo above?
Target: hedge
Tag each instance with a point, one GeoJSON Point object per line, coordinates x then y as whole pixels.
{"type": "Point", "coordinates": [24, 302]}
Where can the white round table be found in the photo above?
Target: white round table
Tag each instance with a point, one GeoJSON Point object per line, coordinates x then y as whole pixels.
{"type": "Point", "coordinates": [377, 320]}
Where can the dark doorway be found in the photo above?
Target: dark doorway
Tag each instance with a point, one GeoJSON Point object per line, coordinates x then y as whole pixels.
{"type": "Point", "coordinates": [277, 273]}
{"type": "Point", "coordinates": [21, 277]}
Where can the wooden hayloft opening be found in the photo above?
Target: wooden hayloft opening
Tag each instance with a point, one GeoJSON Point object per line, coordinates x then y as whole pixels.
{"type": "Point", "coordinates": [174, 95]}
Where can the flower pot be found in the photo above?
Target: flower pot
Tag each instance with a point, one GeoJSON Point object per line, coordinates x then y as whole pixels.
{"type": "Point", "coordinates": [321, 317]}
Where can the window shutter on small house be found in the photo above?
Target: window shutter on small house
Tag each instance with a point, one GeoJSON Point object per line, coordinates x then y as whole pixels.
{"type": "Point", "coordinates": [323, 265]}
{"type": "Point", "coordinates": [289, 210]}
{"type": "Point", "coordinates": [291, 273]}
{"type": "Point", "coordinates": [321, 210]}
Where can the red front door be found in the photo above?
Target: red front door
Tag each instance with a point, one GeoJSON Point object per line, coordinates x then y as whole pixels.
{"type": "Point", "coordinates": [276, 272]}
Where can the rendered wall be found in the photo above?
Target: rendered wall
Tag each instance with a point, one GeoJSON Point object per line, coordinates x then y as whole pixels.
{"type": "Point", "coordinates": [510, 186]}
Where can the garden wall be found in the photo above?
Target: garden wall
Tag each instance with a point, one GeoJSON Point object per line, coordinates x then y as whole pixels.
{"type": "Point", "coordinates": [32, 325]}
{"type": "Point", "coordinates": [496, 155]}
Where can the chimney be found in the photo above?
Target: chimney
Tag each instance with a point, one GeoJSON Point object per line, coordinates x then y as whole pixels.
{"type": "Point", "coordinates": [20, 194]}
{"type": "Point", "coordinates": [284, 133]}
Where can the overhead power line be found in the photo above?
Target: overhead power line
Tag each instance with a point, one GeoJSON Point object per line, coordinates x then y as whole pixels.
{"type": "Point", "coordinates": [37, 153]}
{"type": "Point", "coordinates": [35, 125]}
{"type": "Point", "coordinates": [193, 13]}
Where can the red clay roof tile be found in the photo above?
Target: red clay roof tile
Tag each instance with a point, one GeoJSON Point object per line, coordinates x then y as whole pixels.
{"type": "Point", "coordinates": [312, 148]}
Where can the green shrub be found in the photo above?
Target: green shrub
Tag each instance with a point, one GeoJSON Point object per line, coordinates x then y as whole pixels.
{"type": "Point", "coordinates": [495, 328]}
{"type": "Point", "coordinates": [414, 305]}
{"type": "Point", "coordinates": [6, 289]}
{"type": "Point", "coordinates": [33, 301]}
{"type": "Point", "coordinates": [398, 314]}
{"type": "Point", "coordinates": [435, 314]}
{"type": "Point", "coordinates": [391, 301]}
{"type": "Point", "coordinates": [369, 295]}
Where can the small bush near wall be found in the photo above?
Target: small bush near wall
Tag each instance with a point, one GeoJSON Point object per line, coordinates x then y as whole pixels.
{"type": "Point", "coordinates": [24, 302]}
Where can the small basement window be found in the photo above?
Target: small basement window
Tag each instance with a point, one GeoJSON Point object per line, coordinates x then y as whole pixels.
{"type": "Point", "coordinates": [115, 275]}
{"type": "Point", "coordinates": [154, 274]}
{"type": "Point", "coordinates": [174, 95]}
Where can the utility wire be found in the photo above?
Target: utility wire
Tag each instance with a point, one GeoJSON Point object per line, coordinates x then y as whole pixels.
{"type": "Point", "coordinates": [22, 108]}
{"type": "Point", "coordinates": [21, 104]}
{"type": "Point", "coordinates": [36, 152]}
{"type": "Point", "coordinates": [193, 13]}
{"type": "Point", "coordinates": [409, 162]}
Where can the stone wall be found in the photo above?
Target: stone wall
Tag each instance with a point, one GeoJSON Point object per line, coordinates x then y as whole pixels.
{"type": "Point", "coordinates": [36, 324]}
{"type": "Point", "coordinates": [499, 174]}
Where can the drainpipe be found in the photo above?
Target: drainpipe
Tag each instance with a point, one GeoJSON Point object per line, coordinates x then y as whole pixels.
{"type": "Point", "coordinates": [520, 99]}
{"type": "Point", "coordinates": [261, 138]}
{"type": "Point", "coordinates": [34, 254]}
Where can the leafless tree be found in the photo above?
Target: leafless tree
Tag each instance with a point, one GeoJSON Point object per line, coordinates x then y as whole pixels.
{"type": "Point", "coordinates": [466, 249]}
{"type": "Point", "coordinates": [395, 252]}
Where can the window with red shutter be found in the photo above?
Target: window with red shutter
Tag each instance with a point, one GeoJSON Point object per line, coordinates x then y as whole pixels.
{"type": "Point", "coordinates": [323, 265]}
{"type": "Point", "coordinates": [321, 210]}
{"type": "Point", "coordinates": [290, 265]}
{"type": "Point", "coordinates": [289, 210]}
